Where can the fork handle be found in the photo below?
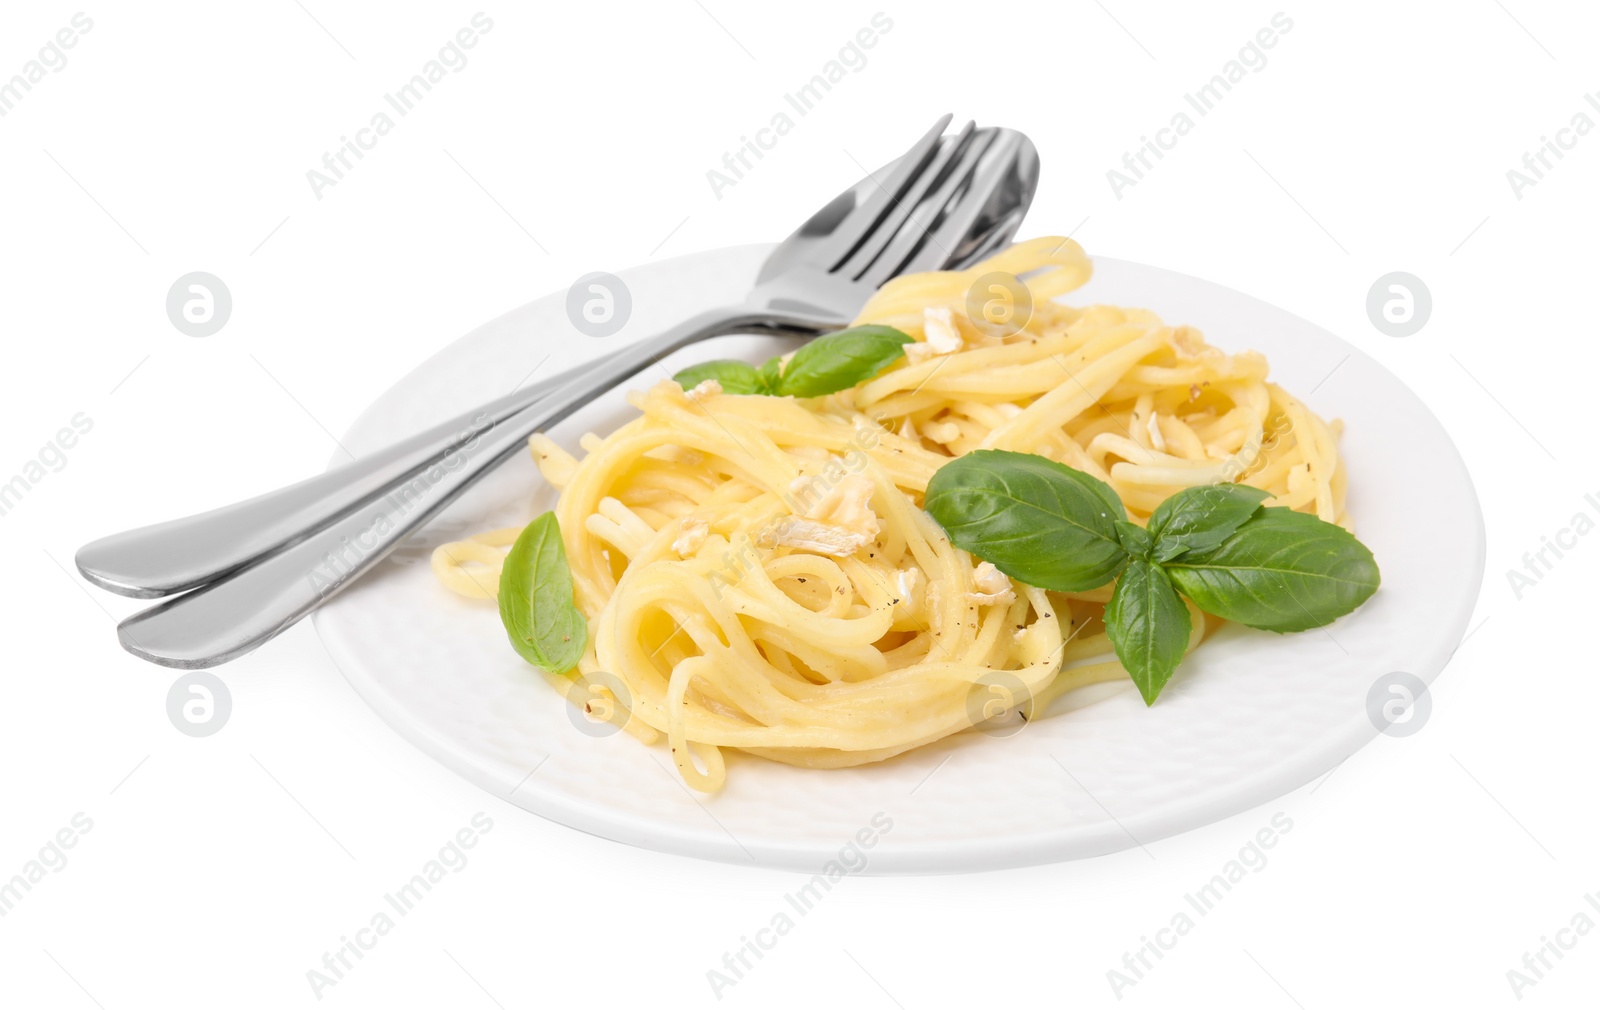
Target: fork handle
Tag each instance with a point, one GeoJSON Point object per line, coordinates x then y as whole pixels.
{"type": "Point", "coordinates": [229, 617]}
{"type": "Point", "coordinates": [182, 554]}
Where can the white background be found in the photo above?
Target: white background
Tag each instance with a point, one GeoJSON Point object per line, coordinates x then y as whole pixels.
{"type": "Point", "coordinates": [219, 870]}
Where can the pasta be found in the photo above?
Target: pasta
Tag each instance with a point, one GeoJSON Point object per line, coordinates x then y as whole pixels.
{"type": "Point", "coordinates": [758, 573]}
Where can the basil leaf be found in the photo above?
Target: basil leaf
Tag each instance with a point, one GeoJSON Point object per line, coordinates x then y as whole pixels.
{"type": "Point", "coordinates": [1200, 518]}
{"type": "Point", "coordinates": [1038, 521]}
{"type": "Point", "coordinates": [734, 376]}
{"type": "Point", "coordinates": [1280, 571]}
{"type": "Point", "coordinates": [546, 627]}
{"type": "Point", "coordinates": [840, 360]}
{"type": "Point", "coordinates": [1148, 626]}
{"type": "Point", "coordinates": [767, 376]}
{"type": "Point", "coordinates": [1135, 539]}
{"type": "Point", "coordinates": [825, 365]}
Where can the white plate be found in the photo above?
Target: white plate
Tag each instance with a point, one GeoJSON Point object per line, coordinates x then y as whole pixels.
{"type": "Point", "coordinates": [1250, 716]}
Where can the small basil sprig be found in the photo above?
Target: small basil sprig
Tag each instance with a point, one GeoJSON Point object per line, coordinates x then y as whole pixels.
{"type": "Point", "coordinates": [545, 626]}
{"type": "Point", "coordinates": [735, 377]}
{"type": "Point", "coordinates": [1048, 525]}
{"type": "Point", "coordinates": [825, 365]}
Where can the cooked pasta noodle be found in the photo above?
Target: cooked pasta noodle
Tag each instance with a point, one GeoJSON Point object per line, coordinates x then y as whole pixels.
{"type": "Point", "coordinates": [758, 572]}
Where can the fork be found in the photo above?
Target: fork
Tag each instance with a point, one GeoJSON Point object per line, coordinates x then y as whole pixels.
{"type": "Point", "coordinates": [946, 203]}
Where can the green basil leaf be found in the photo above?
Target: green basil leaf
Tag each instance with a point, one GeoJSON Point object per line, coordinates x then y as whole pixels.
{"type": "Point", "coordinates": [841, 360]}
{"type": "Point", "coordinates": [1280, 571]}
{"type": "Point", "coordinates": [1148, 626]}
{"type": "Point", "coordinates": [767, 375]}
{"type": "Point", "coordinates": [1200, 518]}
{"type": "Point", "coordinates": [825, 365]}
{"type": "Point", "coordinates": [735, 377]}
{"type": "Point", "coordinates": [545, 626]}
{"type": "Point", "coordinates": [1038, 521]}
{"type": "Point", "coordinates": [1135, 539]}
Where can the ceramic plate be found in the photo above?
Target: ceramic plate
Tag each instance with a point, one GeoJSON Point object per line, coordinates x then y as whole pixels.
{"type": "Point", "coordinates": [1249, 717]}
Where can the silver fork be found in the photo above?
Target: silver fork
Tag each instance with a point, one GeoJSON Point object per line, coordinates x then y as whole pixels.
{"type": "Point", "coordinates": [182, 554]}
{"type": "Point", "coordinates": [946, 203]}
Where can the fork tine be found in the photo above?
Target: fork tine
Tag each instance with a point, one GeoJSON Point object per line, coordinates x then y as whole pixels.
{"type": "Point", "coordinates": [859, 223]}
{"type": "Point", "coordinates": [923, 235]}
{"type": "Point", "coordinates": [950, 156]}
{"type": "Point", "coordinates": [1010, 160]}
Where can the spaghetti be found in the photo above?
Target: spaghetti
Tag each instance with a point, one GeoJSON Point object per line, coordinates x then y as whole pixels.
{"type": "Point", "coordinates": [757, 570]}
